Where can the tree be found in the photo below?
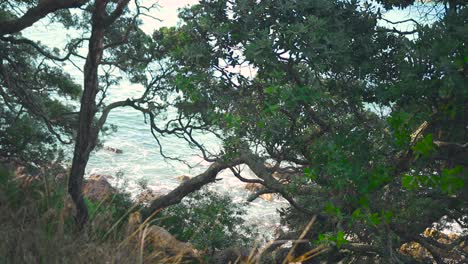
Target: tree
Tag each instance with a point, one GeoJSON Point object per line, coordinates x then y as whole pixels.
{"type": "Point", "coordinates": [367, 122]}
{"type": "Point", "coordinates": [87, 134]}
{"type": "Point", "coordinates": [34, 120]}
{"type": "Point", "coordinates": [112, 29]}
{"type": "Point", "coordinates": [359, 126]}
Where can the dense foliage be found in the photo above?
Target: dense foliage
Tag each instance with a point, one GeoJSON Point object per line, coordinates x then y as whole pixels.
{"type": "Point", "coordinates": [35, 117]}
{"type": "Point", "coordinates": [356, 119]}
{"type": "Point", "coordinates": [370, 119]}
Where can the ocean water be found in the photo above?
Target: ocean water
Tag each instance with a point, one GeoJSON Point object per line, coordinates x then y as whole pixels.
{"type": "Point", "coordinates": [141, 160]}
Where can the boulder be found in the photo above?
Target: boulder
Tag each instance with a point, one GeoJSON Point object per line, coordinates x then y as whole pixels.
{"type": "Point", "coordinates": [267, 197]}
{"type": "Point", "coordinates": [253, 187]}
{"type": "Point", "coordinates": [162, 240]}
{"type": "Point", "coordinates": [415, 250]}
{"type": "Point", "coordinates": [133, 223]}
{"type": "Point", "coordinates": [61, 177]}
{"type": "Point", "coordinates": [232, 255]}
{"type": "Point", "coordinates": [113, 150]}
{"type": "Point", "coordinates": [420, 253]}
{"type": "Point", "coordinates": [159, 238]}
{"type": "Point", "coordinates": [183, 178]}
{"type": "Point", "coordinates": [97, 188]}
{"type": "Point", "coordinates": [285, 175]}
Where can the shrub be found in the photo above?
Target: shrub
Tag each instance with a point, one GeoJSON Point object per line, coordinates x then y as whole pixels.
{"type": "Point", "coordinates": [209, 220]}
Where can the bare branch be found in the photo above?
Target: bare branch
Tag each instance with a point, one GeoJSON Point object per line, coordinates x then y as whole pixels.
{"type": "Point", "coordinates": [116, 13]}
{"type": "Point", "coordinates": [236, 173]}
{"type": "Point", "coordinates": [41, 50]}
{"type": "Point", "coordinates": [193, 184]}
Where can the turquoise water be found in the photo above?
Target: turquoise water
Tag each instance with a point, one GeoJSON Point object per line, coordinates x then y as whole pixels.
{"type": "Point", "coordinates": [141, 160]}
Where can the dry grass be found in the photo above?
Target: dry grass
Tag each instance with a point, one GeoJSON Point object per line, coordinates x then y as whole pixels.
{"type": "Point", "coordinates": [37, 227]}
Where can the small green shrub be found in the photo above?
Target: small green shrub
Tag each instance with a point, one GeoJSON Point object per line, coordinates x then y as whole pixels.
{"type": "Point", "coordinates": [109, 216]}
{"type": "Point", "coordinates": [208, 220]}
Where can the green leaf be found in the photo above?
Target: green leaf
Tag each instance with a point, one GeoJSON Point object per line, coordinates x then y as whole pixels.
{"type": "Point", "coordinates": [310, 174]}
{"type": "Point", "coordinates": [357, 214]}
{"type": "Point", "coordinates": [332, 210]}
{"type": "Point", "coordinates": [388, 215]}
{"type": "Point", "coordinates": [271, 90]}
{"type": "Point", "coordinates": [340, 239]}
{"type": "Point", "coordinates": [425, 146]}
{"type": "Point", "coordinates": [452, 180]}
{"type": "Point", "coordinates": [409, 182]}
{"type": "Point", "coordinates": [375, 218]}
{"type": "Point", "coordinates": [398, 121]}
{"type": "Point", "coordinates": [364, 202]}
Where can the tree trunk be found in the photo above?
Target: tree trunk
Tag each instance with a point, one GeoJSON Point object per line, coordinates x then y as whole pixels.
{"type": "Point", "coordinates": [87, 133]}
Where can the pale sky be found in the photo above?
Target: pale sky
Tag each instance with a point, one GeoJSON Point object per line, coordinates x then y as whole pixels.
{"type": "Point", "coordinates": [167, 13]}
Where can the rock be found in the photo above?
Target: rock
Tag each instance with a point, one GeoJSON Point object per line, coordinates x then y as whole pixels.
{"type": "Point", "coordinates": [134, 221]}
{"type": "Point", "coordinates": [27, 176]}
{"type": "Point", "coordinates": [61, 177]}
{"type": "Point", "coordinates": [232, 255]}
{"type": "Point", "coordinates": [114, 150]}
{"type": "Point", "coordinates": [97, 188]}
{"type": "Point", "coordinates": [96, 176]}
{"type": "Point", "coordinates": [253, 187]}
{"type": "Point", "coordinates": [285, 175]}
{"type": "Point", "coordinates": [416, 251]}
{"type": "Point", "coordinates": [420, 253]}
{"type": "Point", "coordinates": [267, 197]}
{"type": "Point", "coordinates": [159, 238]}
{"type": "Point", "coordinates": [183, 178]}
{"type": "Point", "coordinates": [440, 236]}
{"type": "Point", "coordinates": [59, 172]}
{"type": "Point", "coordinates": [147, 196]}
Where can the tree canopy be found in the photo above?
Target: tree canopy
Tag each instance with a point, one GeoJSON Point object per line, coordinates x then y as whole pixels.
{"type": "Point", "coordinates": [369, 120]}
{"type": "Point", "coordinates": [358, 123]}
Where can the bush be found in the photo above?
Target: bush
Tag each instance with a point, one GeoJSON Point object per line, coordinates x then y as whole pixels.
{"type": "Point", "coordinates": [209, 220]}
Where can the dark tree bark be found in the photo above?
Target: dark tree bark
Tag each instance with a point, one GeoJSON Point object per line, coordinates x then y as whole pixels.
{"type": "Point", "coordinates": [192, 185]}
{"type": "Point", "coordinates": [85, 140]}
{"type": "Point", "coordinates": [88, 131]}
{"type": "Point", "coordinates": [255, 163]}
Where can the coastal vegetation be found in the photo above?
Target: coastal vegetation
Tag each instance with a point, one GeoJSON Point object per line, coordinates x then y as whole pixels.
{"type": "Point", "coordinates": [351, 112]}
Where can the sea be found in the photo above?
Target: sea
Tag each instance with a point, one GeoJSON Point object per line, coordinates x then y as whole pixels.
{"type": "Point", "coordinates": [141, 164]}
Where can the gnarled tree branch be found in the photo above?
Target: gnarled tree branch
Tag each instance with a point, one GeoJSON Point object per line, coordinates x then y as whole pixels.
{"type": "Point", "coordinates": [36, 13]}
